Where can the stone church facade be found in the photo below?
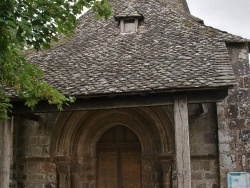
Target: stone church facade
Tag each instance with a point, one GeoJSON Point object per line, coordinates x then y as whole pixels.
{"type": "Point", "coordinates": [162, 101]}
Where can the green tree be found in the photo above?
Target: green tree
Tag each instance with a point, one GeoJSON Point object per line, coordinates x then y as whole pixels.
{"type": "Point", "coordinates": [34, 24]}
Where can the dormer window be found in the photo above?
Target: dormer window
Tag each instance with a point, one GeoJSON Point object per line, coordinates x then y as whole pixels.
{"type": "Point", "coordinates": [128, 25]}
{"type": "Point", "coordinates": [128, 20]}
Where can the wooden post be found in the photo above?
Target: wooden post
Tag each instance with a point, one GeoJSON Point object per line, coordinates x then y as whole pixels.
{"type": "Point", "coordinates": [5, 154]}
{"type": "Point", "coordinates": [182, 142]}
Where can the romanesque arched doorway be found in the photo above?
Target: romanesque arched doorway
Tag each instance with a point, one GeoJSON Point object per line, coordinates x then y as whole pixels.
{"type": "Point", "coordinates": [81, 138]}
{"type": "Point", "coordinates": [118, 159]}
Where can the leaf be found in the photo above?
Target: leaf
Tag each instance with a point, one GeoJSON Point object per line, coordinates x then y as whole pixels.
{"type": "Point", "coordinates": [28, 25]}
{"type": "Point", "coordinates": [46, 46]}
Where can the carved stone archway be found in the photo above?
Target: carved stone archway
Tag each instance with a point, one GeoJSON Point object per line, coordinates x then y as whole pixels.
{"type": "Point", "coordinates": [75, 136]}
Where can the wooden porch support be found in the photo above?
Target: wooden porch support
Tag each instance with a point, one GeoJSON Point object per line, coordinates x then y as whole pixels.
{"type": "Point", "coordinates": [5, 152]}
{"type": "Point", "coordinates": [182, 142]}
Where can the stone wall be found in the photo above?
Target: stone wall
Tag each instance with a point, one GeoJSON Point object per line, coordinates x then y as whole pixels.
{"type": "Point", "coordinates": [32, 165]}
{"type": "Point", "coordinates": [203, 145]}
{"type": "Point", "coordinates": [35, 168]}
{"type": "Point", "coordinates": [234, 117]}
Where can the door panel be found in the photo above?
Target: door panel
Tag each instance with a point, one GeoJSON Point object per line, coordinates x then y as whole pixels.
{"type": "Point", "coordinates": [118, 159]}
{"type": "Point", "coordinates": [130, 169]}
{"type": "Point", "coordinates": [119, 168]}
{"type": "Point", "coordinates": [107, 169]}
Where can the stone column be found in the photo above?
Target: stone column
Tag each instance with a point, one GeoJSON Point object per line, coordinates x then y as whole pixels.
{"type": "Point", "coordinates": [5, 152]}
{"type": "Point", "coordinates": [63, 174]}
{"type": "Point", "coordinates": [166, 173]}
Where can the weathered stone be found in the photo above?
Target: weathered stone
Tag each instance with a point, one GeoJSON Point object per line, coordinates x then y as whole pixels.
{"type": "Point", "coordinates": [211, 175]}
{"type": "Point", "coordinates": [228, 161]}
{"type": "Point", "coordinates": [226, 136]}
{"type": "Point", "coordinates": [224, 147]}
{"type": "Point", "coordinates": [245, 135]}
{"type": "Point", "coordinates": [196, 176]}
{"type": "Point", "coordinates": [36, 151]}
{"type": "Point", "coordinates": [210, 138]}
{"type": "Point", "coordinates": [98, 61]}
{"type": "Point", "coordinates": [233, 111]}
{"type": "Point", "coordinates": [48, 167]}
{"type": "Point", "coordinates": [32, 167]}
{"type": "Point", "coordinates": [236, 124]}
{"type": "Point", "coordinates": [44, 140]}
{"type": "Point", "coordinates": [33, 140]}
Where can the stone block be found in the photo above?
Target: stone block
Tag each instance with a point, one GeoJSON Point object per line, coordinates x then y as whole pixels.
{"type": "Point", "coordinates": [228, 161]}
{"type": "Point", "coordinates": [32, 167]}
{"type": "Point", "coordinates": [236, 124]}
{"type": "Point", "coordinates": [201, 185]}
{"type": "Point", "coordinates": [214, 166]}
{"type": "Point", "coordinates": [196, 176]}
{"type": "Point", "coordinates": [243, 54]}
{"type": "Point", "coordinates": [239, 147]}
{"type": "Point", "coordinates": [36, 177]}
{"type": "Point", "coordinates": [205, 166]}
{"type": "Point", "coordinates": [222, 124]}
{"type": "Point", "coordinates": [247, 123]}
{"type": "Point", "coordinates": [49, 185]}
{"type": "Point", "coordinates": [36, 151]}
{"type": "Point", "coordinates": [233, 111]}
{"type": "Point", "coordinates": [220, 110]}
{"type": "Point", "coordinates": [224, 148]}
{"type": "Point", "coordinates": [38, 129]}
{"type": "Point", "coordinates": [240, 68]}
{"type": "Point", "coordinates": [33, 140]}
{"type": "Point", "coordinates": [35, 185]}
{"type": "Point", "coordinates": [210, 138]}
{"type": "Point", "coordinates": [207, 149]}
{"type": "Point", "coordinates": [244, 110]}
{"type": "Point", "coordinates": [241, 95]}
{"type": "Point", "coordinates": [211, 175]}
{"type": "Point", "coordinates": [52, 177]}
{"type": "Point", "coordinates": [194, 149]}
{"type": "Point", "coordinates": [226, 136]}
{"type": "Point", "coordinates": [48, 167]}
{"type": "Point", "coordinates": [195, 165]}
{"type": "Point", "coordinates": [244, 135]}
{"type": "Point", "coordinates": [44, 140]}
{"type": "Point", "coordinates": [244, 82]}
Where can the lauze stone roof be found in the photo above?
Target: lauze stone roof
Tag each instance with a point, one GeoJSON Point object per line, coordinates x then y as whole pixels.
{"type": "Point", "coordinates": [170, 51]}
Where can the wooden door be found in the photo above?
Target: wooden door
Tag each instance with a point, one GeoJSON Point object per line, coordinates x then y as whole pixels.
{"type": "Point", "coordinates": [130, 171]}
{"type": "Point", "coordinates": [118, 160]}
{"type": "Point", "coordinates": [107, 173]}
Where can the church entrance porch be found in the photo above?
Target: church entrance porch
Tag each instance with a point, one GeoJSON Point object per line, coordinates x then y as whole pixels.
{"type": "Point", "coordinates": [122, 148]}
{"type": "Point", "coordinates": [78, 147]}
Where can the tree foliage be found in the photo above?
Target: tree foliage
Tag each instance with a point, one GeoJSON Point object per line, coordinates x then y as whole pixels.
{"type": "Point", "coordinates": [34, 24]}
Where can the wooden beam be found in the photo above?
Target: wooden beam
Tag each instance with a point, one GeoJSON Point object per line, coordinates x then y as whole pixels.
{"type": "Point", "coordinates": [182, 142]}
{"type": "Point", "coordinates": [5, 154]}
{"type": "Point", "coordinates": [124, 101]}
{"type": "Point", "coordinates": [29, 116]}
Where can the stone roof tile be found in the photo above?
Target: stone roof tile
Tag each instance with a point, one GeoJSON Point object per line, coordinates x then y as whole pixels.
{"type": "Point", "coordinates": [170, 51]}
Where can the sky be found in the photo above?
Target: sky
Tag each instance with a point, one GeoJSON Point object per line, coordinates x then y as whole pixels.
{"type": "Point", "coordinates": [232, 16]}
